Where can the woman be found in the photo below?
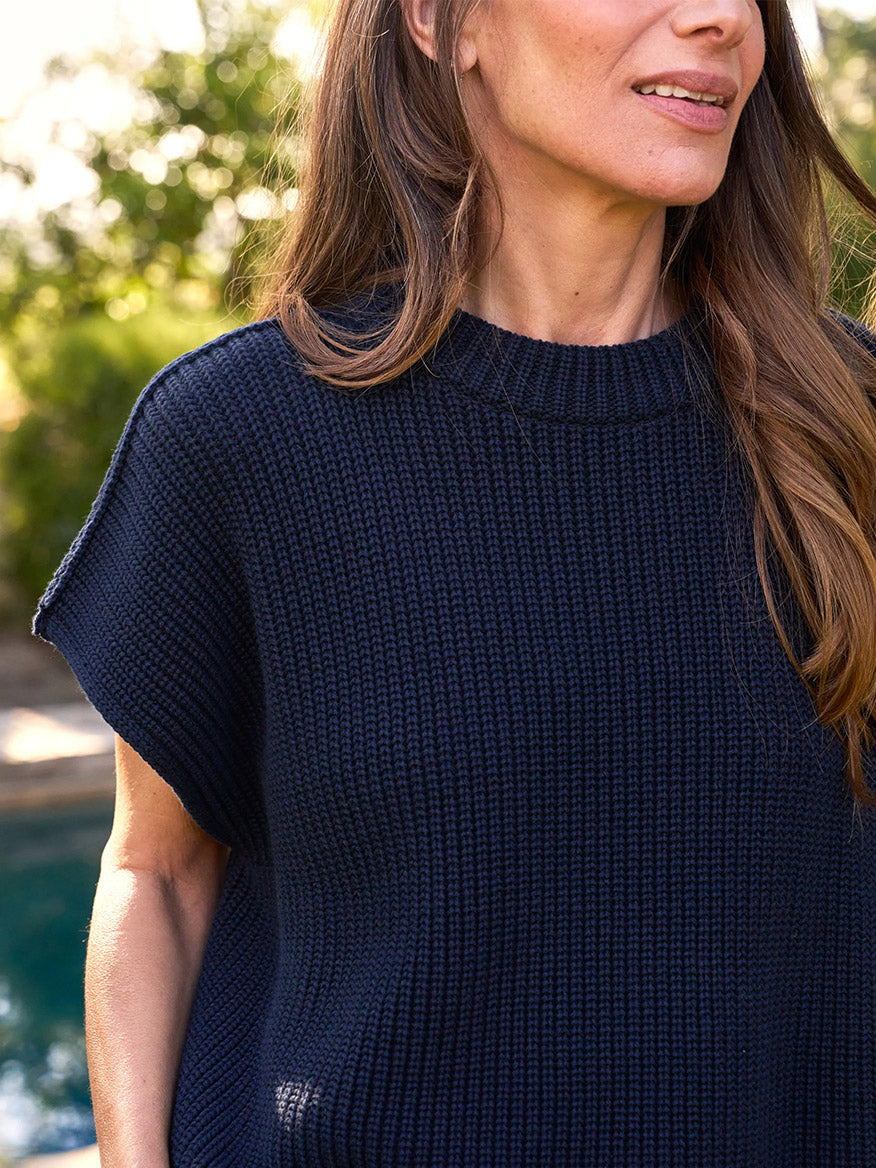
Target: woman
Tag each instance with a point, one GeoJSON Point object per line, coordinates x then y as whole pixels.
{"type": "Point", "coordinates": [491, 768]}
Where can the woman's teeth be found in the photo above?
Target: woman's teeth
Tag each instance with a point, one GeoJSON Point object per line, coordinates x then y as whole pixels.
{"type": "Point", "coordinates": [677, 91]}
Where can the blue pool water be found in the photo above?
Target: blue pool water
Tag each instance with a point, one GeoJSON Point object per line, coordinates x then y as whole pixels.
{"type": "Point", "coordinates": [49, 862]}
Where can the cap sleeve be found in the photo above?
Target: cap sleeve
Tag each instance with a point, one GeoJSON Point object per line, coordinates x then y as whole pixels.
{"type": "Point", "coordinates": [150, 608]}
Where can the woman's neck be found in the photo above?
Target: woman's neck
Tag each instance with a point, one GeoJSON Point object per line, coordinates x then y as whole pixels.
{"type": "Point", "coordinates": [583, 272]}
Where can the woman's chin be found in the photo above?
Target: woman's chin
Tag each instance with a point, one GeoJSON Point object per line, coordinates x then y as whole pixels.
{"type": "Point", "coordinates": [682, 191]}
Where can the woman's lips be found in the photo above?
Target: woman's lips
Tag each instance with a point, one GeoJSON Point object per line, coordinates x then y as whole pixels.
{"type": "Point", "coordinates": [709, 118]}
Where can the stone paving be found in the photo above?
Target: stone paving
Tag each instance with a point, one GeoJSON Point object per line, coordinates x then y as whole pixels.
{"type": "Point", "coordinates": [82, 1158]}
{"type": "Point", "coordinates": [54, 746]}
{"type": "Point", "coordinates": [54, 754]}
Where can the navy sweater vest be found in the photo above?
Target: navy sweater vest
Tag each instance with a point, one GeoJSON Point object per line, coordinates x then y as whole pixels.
{"type": "Point", "coordinates": [539, 855]}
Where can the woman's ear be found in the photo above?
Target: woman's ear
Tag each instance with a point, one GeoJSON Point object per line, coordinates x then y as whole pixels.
{"type": "Point", "coordinates": [420, 18]}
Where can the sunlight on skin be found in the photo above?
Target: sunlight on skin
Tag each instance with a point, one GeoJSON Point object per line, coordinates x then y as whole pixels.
{"type": "Point", "coordinates": [586, 171]}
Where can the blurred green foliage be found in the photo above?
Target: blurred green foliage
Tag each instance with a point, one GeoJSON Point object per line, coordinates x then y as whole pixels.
{"type": "Point", "coordinates": [93, 304]}
{"type": "Point", "coordinates": [846, 77]}
{"type": "Point", "coordinates": [173, 189]}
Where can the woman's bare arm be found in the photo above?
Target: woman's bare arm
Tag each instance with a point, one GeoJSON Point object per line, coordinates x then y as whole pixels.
{"type": "Point", "coordinates": [160, 879]}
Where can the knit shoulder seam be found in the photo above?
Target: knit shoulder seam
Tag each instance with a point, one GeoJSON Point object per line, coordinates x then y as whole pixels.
{"type": "Point", "coordinates": [191, 356]}
{"type": "Point", "coordinates": [99, 507]}
{"type": "Point", "coordinates": [118, 462]}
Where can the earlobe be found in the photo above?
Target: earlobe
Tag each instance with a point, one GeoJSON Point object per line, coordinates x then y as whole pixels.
{"type": "Point", "coordinates": [466, 53]}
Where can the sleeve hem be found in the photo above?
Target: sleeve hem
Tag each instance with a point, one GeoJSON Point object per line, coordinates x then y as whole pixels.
{"type": "Point", "coordinates": [99, 690]}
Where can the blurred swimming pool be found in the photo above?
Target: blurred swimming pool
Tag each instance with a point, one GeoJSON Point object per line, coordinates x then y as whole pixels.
{"type": "Point", "coordinates": [49, 862]}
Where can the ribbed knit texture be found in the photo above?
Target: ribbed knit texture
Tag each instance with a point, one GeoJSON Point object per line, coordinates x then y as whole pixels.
{"type": "Point", "coordinates": [540, 857]}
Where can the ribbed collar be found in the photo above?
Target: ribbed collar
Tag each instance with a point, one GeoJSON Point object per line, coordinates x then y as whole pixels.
{"type": "Point", "coordinates": [627, 382]}
{"type": "Point", "coordinates": [665, 373]}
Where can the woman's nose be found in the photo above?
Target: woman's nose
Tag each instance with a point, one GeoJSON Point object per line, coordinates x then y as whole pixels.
{"type": "Point", "coordinates": [725, 22]}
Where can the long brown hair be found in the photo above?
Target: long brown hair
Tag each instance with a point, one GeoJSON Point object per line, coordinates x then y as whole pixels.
{"type": "Point", "coordinates": [391, 189]}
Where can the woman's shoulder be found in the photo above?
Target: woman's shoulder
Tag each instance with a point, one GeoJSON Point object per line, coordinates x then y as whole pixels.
{"type": "Point", "coordinates": [249, 356]}
{"type": "Point", "coordinates": [234, 393]}
{"type": "Point", "coordinates": [254, 370]}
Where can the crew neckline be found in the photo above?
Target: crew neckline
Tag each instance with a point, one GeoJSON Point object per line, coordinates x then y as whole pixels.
{"type": "Point", "coordinates": [625, 382]}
